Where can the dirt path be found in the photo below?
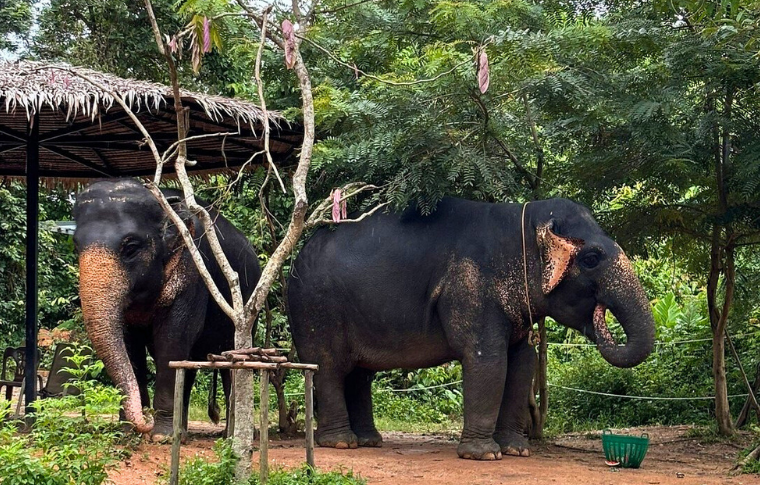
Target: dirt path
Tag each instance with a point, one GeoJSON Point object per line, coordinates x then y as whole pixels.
{"type": "Point", "coordinates": [432, 460]}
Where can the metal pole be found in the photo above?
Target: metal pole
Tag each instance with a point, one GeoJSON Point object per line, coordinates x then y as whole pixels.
{"type": "Point", "coordinates": [264, 429]}
{"type": "Point", "coordinates": [309, 391]}
{"type": "Point", "coordinates": [32, 230]}
{"type": "Point", "coordinates": [179, 397]}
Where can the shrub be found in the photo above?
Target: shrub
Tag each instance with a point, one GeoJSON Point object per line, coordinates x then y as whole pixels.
{"type": "Point", "coordinates": [198, 471]}
{"type": "Point", "coordinates": [70, 442]}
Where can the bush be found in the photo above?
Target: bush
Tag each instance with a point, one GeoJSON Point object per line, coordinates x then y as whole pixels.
{"type": "Point", "coordinates": [70, 442]}
{"type": "Point", "coordinates": [198, 471]}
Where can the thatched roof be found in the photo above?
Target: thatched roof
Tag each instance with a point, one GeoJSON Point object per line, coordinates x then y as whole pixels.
{"type": "Point", "coordinates": [84, 133]}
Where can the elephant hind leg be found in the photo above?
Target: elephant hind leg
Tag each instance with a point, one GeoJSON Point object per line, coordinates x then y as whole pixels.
{"type": "Point", "coordinates": [358, 394]}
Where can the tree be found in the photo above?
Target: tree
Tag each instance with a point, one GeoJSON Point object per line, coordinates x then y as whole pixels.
{"type": "Point", "coordinates": [15, 21]}
{"type": "Point", "coordinates": [661, 105]}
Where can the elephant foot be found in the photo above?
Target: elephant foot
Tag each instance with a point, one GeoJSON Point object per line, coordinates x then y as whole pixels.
{"type": "Point", "coordinates": [479, 449]}
{"type": "Point", "coordinates": [513, 444]}
{"type": "Point", "coordinates": [369, 438]}
{"type": "Point", "coordinates": [340, 440]}
{"type": "Point", "coordinates": [162, 433]}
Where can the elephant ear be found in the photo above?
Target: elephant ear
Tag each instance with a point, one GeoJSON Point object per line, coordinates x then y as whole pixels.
{"type": "Point", "coordinates": [172, 237]}
{"type": "Point", "coordinates": [557, 255]}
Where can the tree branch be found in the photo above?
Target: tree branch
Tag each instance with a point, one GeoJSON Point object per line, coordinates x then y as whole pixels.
{"type": "Point", "coordinates": [358, 71]}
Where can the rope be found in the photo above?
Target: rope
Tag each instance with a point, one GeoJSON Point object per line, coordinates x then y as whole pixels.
{"type": "Point", "coordinates": [525, 265]}
{"type": "Point", "coordinates": [448, 384]}
{"type": "Point", "coordinates": [674, 342]}
{"type": "Point", "coordinates": [584, 391]}
{"type": "Point", "coordinates": [644, 398]}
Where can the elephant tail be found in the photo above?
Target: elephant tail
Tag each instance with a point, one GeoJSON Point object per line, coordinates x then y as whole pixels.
{"type": "Point", "coordinates": [213, 406]}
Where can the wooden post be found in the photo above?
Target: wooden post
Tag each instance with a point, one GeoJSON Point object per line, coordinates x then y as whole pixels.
{"type": "Point", "coordinates": [179, 395]}
{"type": "Point", "coordinates": [309, 391]}
{"type": "Point", "coordinates": [264, 428]}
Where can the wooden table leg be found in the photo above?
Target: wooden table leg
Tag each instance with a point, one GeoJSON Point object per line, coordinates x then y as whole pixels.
{"type": "Point", "coordinates": [309, 391]}
{"type": "Point", "coordinates": [264, 429]}
{"type": "Point", "coordinates": [179, 397]}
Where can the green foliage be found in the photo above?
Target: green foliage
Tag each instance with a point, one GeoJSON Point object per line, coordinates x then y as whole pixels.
{"type": "Point", "coordinates": [198, 471]}
{"type": "Point", "coordinates": [57, 276]}
{"type": "Point", "coordinates": [15, 21]}
{"type": "Point", "coordinates": [70, 442]}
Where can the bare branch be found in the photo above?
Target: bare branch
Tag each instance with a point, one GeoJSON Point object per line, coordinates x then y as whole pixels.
{"type": "Point", "coordinates": [259, 21]}
{"type": "Point", "coordinates": [344, 7]}
{"type": "Point", "coordinates": [196, 209]}
{"type": "Point", "coordinates": [300, 206]}
{"type": "Point", "coordinates": [262, 100]}
{"type": "Point", "coordinates": [385, 81]}
{"type": "Point", "coordinates": [323, 220]}
{"type": "Point", "coordinates": [174, 145]}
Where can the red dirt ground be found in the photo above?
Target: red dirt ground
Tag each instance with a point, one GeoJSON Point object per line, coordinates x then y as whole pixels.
{"type": "Point", "coordinates": [432, 460]}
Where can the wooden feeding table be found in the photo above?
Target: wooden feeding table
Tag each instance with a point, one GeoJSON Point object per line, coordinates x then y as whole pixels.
{"type": "Point", "coordinates": [256, 358]}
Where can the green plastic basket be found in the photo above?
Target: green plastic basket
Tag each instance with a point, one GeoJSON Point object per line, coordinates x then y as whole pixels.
{"type": "Point", "coordinates": [627, 451]}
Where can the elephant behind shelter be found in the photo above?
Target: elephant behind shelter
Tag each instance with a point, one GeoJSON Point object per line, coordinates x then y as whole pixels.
{"type": "Point", "coordinates": [402, 290]}
{"type": "Point", "coordinates": [141, 292]}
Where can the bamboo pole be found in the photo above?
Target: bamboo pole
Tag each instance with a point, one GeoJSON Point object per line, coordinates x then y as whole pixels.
{"type": "Point", "coordinates": [188, 364]}
{"type": "Point", "coordinates": [264, 429]}
{"type": "Point", "coordinates": [309, 391]}
{"type": "Point", "coordinates": [179, 395]}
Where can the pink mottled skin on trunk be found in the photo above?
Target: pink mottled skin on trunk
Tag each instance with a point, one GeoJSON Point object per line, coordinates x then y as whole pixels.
{"type": "Point", "coordinates": [103, 285]}
{"type": "Point", "coordinates": [600, 326]}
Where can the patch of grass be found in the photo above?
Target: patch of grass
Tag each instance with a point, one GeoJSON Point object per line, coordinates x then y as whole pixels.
{"type": "Point", "coordinates": [706, 434]}
{"type": "Point", "coordinates": [221, 471]}
{"type": "Point", "coordinates": [309, 476]}
{"type": "Point", "coordinates": [446, 428]}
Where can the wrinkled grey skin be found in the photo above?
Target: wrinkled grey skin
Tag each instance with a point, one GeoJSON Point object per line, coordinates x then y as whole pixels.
{"type": "Point", "coordinates": [141, 292]}
{"type": "Point", "coordinates": [407, 291]}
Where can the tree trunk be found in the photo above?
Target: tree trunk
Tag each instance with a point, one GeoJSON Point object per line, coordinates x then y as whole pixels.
{"type": "Point", "coordinates": [543, 387]}
{"type": "Point", "coordinates": [539, 410]}
{"type": "Point", "coordinates": [744, 414]}
{"type": "Point", "coordinates": [242, 404]}
{"type": "Point", "coordinates": [718, 320]}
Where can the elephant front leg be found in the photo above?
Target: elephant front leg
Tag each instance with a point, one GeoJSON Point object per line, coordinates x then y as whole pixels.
{"type": "Point", "coordinates": [484, 375]}
{"type": "Point", "coordinates": [163, 401]}
{"type": "Point", "coordinates": [514, 405]}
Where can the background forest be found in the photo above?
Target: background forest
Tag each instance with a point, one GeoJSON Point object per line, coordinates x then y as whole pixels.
{"type": "Point", "coordinates": [644, 111]}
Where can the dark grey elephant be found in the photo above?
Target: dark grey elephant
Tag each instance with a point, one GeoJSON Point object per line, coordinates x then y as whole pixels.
{"type": "Point", "coordinates": [140, 291]}
{"type": "Point", "coordinates": [407, 291]}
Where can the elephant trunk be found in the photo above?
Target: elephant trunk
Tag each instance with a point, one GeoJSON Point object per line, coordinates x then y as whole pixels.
{"type": "Point", "coordinates": [621, 293]}
{"type": "Point", "coordinates": [103, 285]}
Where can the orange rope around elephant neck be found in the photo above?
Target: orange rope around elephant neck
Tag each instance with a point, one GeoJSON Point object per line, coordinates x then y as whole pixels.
{"type": "Point", "coordinates": [525, 274]}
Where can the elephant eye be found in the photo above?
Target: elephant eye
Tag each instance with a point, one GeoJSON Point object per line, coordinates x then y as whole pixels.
{"type": "Point", "coordinates": [590, 260]}
{"type": "Point", "coordinates": [130, 248]}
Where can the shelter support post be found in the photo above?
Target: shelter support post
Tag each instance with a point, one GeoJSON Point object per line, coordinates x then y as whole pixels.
{"type": "Point", "coordinates": [32, 233]}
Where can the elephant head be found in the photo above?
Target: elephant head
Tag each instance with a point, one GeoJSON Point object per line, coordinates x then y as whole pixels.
{"type": "Point", "coordinates": [584, 273]}
{"type": "Point", "coordinates": [127, 250]}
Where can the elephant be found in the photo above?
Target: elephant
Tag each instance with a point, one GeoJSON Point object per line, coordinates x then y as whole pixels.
{"type": "Point", "coordinates": [405, 290]}
{"type": "Point", "coordinates": [140, 291]}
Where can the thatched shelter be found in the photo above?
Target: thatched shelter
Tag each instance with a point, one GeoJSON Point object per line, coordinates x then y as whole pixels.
{"type": "Point", "coordinates": [62, 124]}
{"type": "Point", "coordinates": [84, 133]}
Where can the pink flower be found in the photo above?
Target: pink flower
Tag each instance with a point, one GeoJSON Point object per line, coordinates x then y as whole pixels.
{"type": "Point", "coordinates": [336, 209]}
{"type": "Point", "coordinates": [206, 35]}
